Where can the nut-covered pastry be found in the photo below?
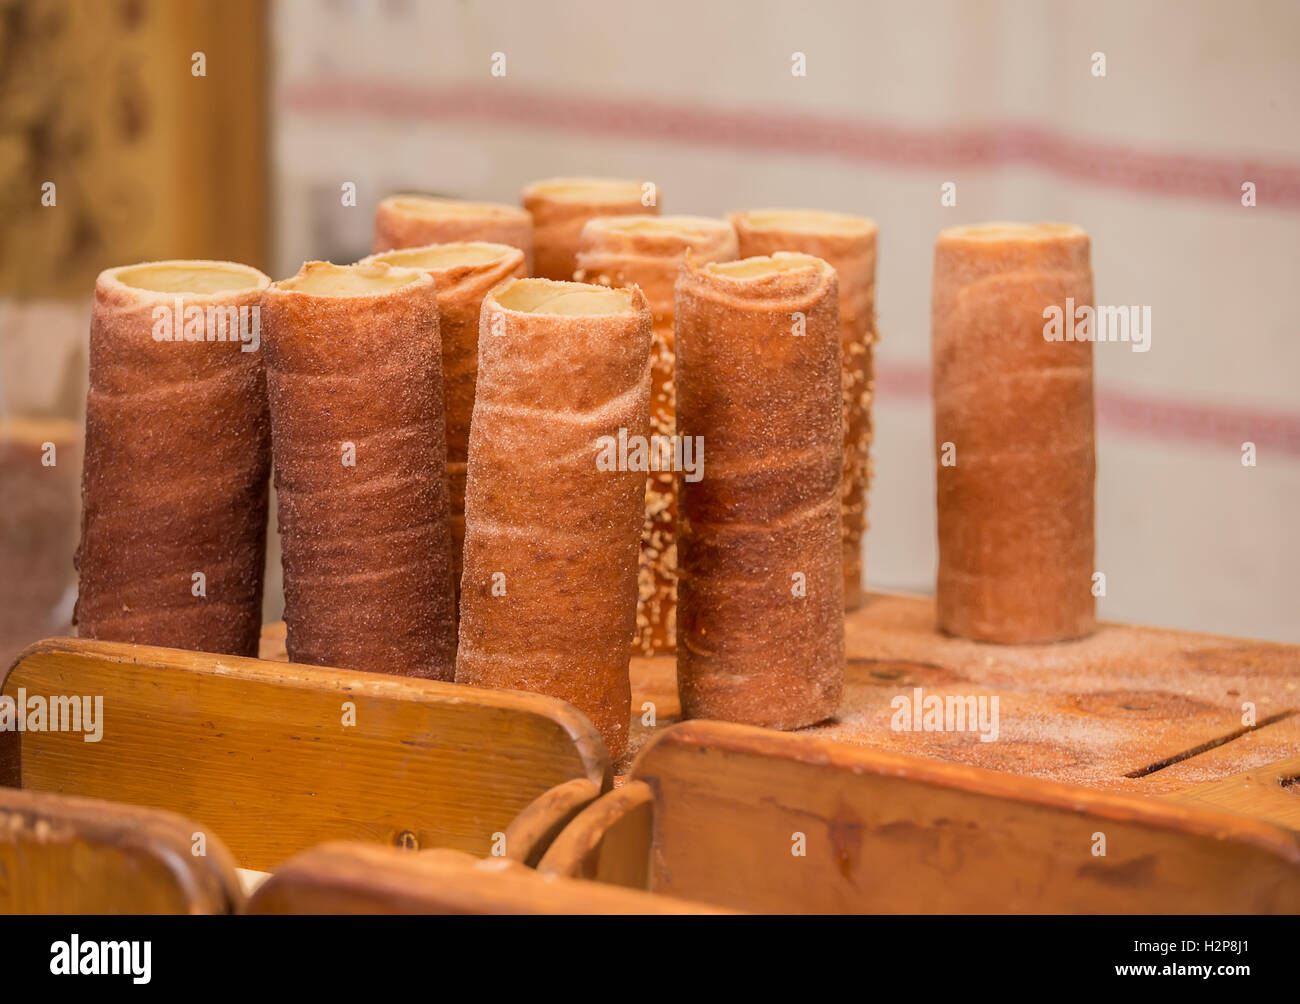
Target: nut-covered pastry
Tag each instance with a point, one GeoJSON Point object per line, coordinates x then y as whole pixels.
{"type": "Point", "coordinates": [649, 252]}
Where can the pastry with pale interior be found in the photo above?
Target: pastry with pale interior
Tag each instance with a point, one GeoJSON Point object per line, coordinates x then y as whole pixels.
{"type": "Point", "coordinates": [354, 374]}
{"type": "Point", "coordinates": [561, 207]}
{"type": "Point", "coordinates": [1013, 428]}
{"type": "Point", "coordinates": [177, 457]}
{"type": "Point", "coordinates": [760, 596]}
{"type": "Point", "coordinates": [411, 221]}
{"type": "Point", "coordinates": [553, 502]}
{"type": "Point", "coordinates": [463, 273]}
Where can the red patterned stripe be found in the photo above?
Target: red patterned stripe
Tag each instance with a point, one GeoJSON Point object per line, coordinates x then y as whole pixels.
{"type": "Point", "coordinates": [1150, 417]}
{"type": "Point", "coordinates": [1217, 179]}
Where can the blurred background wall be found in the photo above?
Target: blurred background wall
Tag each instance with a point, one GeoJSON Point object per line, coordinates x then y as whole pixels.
{"type": "Point", "coordinates": [1002, 99]}
{"type": "Point", "coordinates": [114, 148]}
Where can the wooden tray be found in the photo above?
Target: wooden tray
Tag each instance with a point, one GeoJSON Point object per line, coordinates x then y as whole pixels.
{"type": "Point", "coordinates": [757, 820]}
{"type": "Point", "coordinates": [354, 878]}
{"type": "Point", "coordinates": [61, 855]}
{"type": "Point", "coordinates": [1132, 709]}
{"type": "Point", "coordinates": [260, 753]}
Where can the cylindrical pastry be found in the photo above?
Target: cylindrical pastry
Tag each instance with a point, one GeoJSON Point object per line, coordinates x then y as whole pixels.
{"type": "Point", "coordinates": [463, 274]}
{"type": "Point", "coordinates": [1013, 427]}
{"type": "Point", "coordinates": [40, 467]}
{"type": "Point", "coordinates": [627, 250]}
{"type": "Point", "coordinates": [848, 243]}
{"type": "Point", "coordinates": [174, 485]}
{"type": "Point", "coordinates": [760, 593]}
{"type": "Point", "coordinates": [410, 221]}
{"type": "Point", "coordinates": [354, 373]}
{"type": "Point", "coordinates": [561, 207]}
{"type": "Point", "coordinates": [554, 496]}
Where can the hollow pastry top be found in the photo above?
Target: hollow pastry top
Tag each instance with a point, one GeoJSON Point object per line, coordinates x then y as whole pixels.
{"type": "Point", "coordinates": [197, 281]}
{"type": "Point", "coordinates": [659, 237]}
{"type": "Point", "coordinates": [816, 222]}
{"type": "Point", "coordinates": [450, 262]}
{"type": "Point", "coordinates": [586, 191]}
{"type": "Point", "coordinates": [649, 250]}
{"type": "Point", "coordinates": [570, 299]}
{"type": "Point", "coordinates": [566, 346]}
{"type": "Point", "coordinates": [405, 220]}
{"type": "Point", "coordinates": [324, 280]}
{"type": "Point", "coordinates": [984, 248]}
{"type": "Point", "coordinates": [784, 279]}
{"type": "Point", "coordinates": [433, 207]}
{"type": "Point", "coordinates": [847, 242]}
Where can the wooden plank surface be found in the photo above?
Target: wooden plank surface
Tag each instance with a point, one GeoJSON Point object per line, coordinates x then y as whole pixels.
{"type": "Point", "coordinates": [264, 753]}
{"type": "Point", "coordinates": [1271, 792]}
{"type": "Point", "coordinates": [61, 855]}
{"type": "Point", "coordinates": [1093, 712]}
{"type": "Point", "coordinates": [609, 841]}
{"type": "Point", "coordinates": [349, 878]}
{"type": "Point", "coordinates": [758, 820]}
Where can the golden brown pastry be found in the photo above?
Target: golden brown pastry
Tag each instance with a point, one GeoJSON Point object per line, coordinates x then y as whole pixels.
{"type": "Point", "coordinates": [354, 373]}
{"type": "Point", "coordinates": [760, 601]}
{"type": "Point", "coordinates": [553, 500]}
{"type": "Point", "coordinates": [648, 252]}
{"type": "Point", "coordinates": [1013, 434]}
{"type": "Point", "coordinates": [174, 487]}
{"type": "Point", "coordinates": [849, 244]}
{"type": "Point", "coordinates": [463, 274]}
{"type": "Point", "coordinates": [561, 207]}
{"type": "Point", "coordinates": [409, 221]}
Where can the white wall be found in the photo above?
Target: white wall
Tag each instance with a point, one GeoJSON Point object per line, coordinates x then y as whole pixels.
{"type": "Point", "coordinates": [900, 97]}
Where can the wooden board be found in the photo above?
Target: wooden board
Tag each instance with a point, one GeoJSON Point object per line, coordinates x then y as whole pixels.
{"type": "Point", "coordinates": [349, 878]}
{"type": "Point", "coordinates": [1130, 709]}
{"type": "Point", "coordinates": [758, 820]}
{"type": "Point", "coordinates": [1271, 792]}
{"type": "Point", "coordinates": [262, 753]}
{"type": "Point", "coordinates": [62, 855]}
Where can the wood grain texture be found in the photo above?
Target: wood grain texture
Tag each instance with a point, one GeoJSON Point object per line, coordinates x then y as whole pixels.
{"type": "Point", "coordinates": [260, 753]}
{"type": "Point", "coordinates": [608, 841]}
{"type": "Point", "coordinates": [1271, 793]}
{"type": "Point", "coordinates": [530, 833]}
{"type": "Point", "coordinates": [349, 878]}
{"type": "Point", "coordinates": [1092, 712]}
{"type": "Point", "coordinates": [62, 855]}
{"type": "Point", "coordinates": [884, 833]}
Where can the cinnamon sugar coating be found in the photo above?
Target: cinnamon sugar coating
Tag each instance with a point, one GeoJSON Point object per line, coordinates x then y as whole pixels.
{"type": "Point", "coordinates": [177, 454]}
{"type": "Point", "coordinates": [360, 469]}
{"type": "Point", "coordinates": [760, 584]}
{"type": "Point", "coordinates": [1016, 506]}
{"type": "Point", "coordinates": [548, 597]}
{"type": "Point", "coordinates": [848, 243]}
{"type": "Point", "coordinates": [620, 251]}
